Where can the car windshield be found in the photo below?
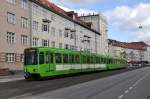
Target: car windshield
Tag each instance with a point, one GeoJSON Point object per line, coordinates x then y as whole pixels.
{"type": "Point", "coordinates": [31, 57]}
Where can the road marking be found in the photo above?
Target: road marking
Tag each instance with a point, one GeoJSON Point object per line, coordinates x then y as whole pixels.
{"type": "Point", "coordinates": [21, 96]}
{"type": "Point", "coordinates": [126, 91]}
{"type": "Point", "coordinates": [138, 81]}
{"type": "Point", "coordinates": [130, 88]}
{"type": "Point", "coordinates": [121, 96]}
{"type": "Point", "coordinates": [134, 85]}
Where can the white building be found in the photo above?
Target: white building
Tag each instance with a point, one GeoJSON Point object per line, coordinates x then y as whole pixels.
{"type": "Point", "coordinates": [52, 27]}
{"type": "Point", "coordinates": [99, 23]}
{"type": "Point", "coordinates": [133, 51]}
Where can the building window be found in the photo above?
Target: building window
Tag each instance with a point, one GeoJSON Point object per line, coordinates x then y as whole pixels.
{"type": "Point", "coordinates": [45, 27]}
{"type": "Point", "coordinates": [53, 44]}
{"type": "Point", "coordinates": [24, 4]}
{"type": "Point", "coordinates": [11, 18]}
{"type": "Point", "coordinates": [24, 39]}
{"type": "Point", "coordinates": [45, 43]}
{"type": "Point", "coordinates": [66, 33]}
{"type": "Point", "coordinates": [53, 30]}
{"type": "Point", "coordinates": [24, 22]}
{"type": "Point", "coordinates": [12, 1]}
{"type": "Point", "coordinates": [22, 58]}
{"type": "Point", "coordinates": [35, 9]}
{"type": "Point", "coordinates": [35, 42]}
{"type": "Point", "coordinates": [10, 57]}
{"type": "Point", "coordinates": [35, 25]}
{"type": "Point", "coordinates": [71, 36]}
{"type": "Point", "coordinates": [60, 33]}
{"type": "Point", "coordinates": [66, 46]}
{"type": "Point", "coordinates": [60, 45]}
{"type": "Point", "coordinates": [10, 37]}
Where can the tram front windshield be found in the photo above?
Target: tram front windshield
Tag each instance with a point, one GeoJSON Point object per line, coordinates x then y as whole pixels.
{"type": "Point", "coordinates": [31, 57]}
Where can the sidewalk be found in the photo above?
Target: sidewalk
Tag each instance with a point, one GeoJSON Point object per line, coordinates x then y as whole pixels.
{"type": "Point", "coordinates": [17, 76]}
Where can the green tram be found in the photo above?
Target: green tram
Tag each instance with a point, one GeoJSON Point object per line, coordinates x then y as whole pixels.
{"type": "Point", "coordinates": [47, 62]}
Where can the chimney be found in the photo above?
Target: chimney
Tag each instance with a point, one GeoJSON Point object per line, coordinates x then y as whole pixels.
{"type": "Point", "coordinates": [72, 14]}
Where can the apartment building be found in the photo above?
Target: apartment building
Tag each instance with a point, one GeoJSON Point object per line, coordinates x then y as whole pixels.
{"type": "Point", "coordinates": [99, 23]}
{"type": "Point", "coordinates": [39, 23]}
{"type": "Point", "coordinates": [53, 27]}
{"type": "Point", "coordinates": [132, 51]}
{"type": "Point", "coordinates": [14, 32]}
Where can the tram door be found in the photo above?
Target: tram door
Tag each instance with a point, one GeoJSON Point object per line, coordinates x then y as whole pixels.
{"type": "Point", "coordinates": [49, 62]}
{"type": "Point", "coordinates": [44, 68]}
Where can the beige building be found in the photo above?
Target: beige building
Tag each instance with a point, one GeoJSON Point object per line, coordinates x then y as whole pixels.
{"type": "Point", "coordinates": [99, 23]}
{"type": "Point", "coordinates": [132, 51]}
{"type": "Point", "coordinates": [39, 23]}
{"type": "Point", "coordinates": [14, 31]}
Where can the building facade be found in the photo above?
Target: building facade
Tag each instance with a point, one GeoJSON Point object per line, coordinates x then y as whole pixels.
{"type": "Point", "coordinates": [39, 23]}
{"type": "Point", "coordinates": [132, 51]}
{"type": "Point", "coordinates": [14, 31]}
{"type": "Point", "coordinates": [99, 23]}
{"type": "Point", "coordinates": [53, 29]}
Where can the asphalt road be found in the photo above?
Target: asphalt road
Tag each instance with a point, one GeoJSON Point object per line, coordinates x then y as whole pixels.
{"type": "Point", "coordinates": [118, 84]}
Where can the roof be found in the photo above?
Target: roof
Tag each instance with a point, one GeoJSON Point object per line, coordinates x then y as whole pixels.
{"type": "Point", "coordinates": [129, 45]}
{"type": "Point", "coordinates": [52, 6]}
{"type": "Point", "coordinates": [57, 10]}
{"type": "Point", "coordinates": [89, 15]}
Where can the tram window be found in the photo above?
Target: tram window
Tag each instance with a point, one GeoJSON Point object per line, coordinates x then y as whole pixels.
{"type": "Point", "coordinates": [84, 59]}
{"type": "Point", "coordinates": [88, 59]}
{"type": "Point", "coordinates": [91, 60]}
{"type": "Point", "coordinates": [100, 60]}
{"type": "Point", "coordinates": [58, 58]}
{"type": "Point", "coordinates": [94, 59]}
{"type": "Point", "coordinates": [97, 60]}
{"type": "Point", "coordinates": [31, 57]}
{"type": "Point", "coordinates": [47, 58]}
{"type": "Point", "coordinates": [65, 58]}
{"type": "Point", "coordinates": [113, 61]}
{"type": "Point", "coordinates": [107, 60]}
{"type": "Point", "coordinates": [77, 59]}
{"type": "Point", "coordinates": [52, 58]}
{"type": "Point", "coordinates": [41, 60]}
{"type": "Point", "coordinates": [110, 61]}
{"type": "Point", "coordinates": [103, 60]}
{"type": "Point", "coordinates": [71, 58]}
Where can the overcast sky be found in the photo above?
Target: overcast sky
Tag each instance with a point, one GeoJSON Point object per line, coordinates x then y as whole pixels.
{"type": "Point", "coordinates": [124, 16]}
